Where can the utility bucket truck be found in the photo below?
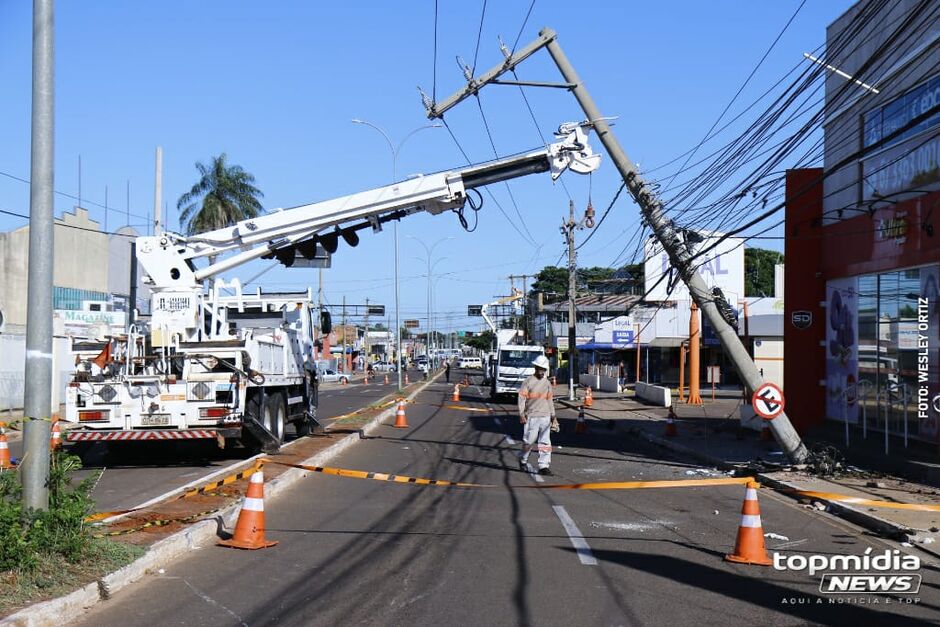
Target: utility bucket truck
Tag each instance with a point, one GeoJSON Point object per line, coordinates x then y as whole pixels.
{"type": "Point", "coordinates": [217, 363]}
{"type": "Point", "coordinates": [511, 363]}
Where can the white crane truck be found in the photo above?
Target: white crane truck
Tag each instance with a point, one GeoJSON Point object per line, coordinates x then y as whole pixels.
{"type": "Point", "coordinates": [221, 364]}
{"type": "Point", "coordinates": [511, 363]}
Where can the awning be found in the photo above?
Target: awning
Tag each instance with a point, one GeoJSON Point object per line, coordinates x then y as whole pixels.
{"type": "Point", "coordinates": [604, 346]}
{"type": "Point", "coordinates": [666, 342]}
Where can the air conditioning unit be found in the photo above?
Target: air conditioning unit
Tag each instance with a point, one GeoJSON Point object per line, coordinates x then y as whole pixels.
{"type": "Point", "coordinates": [97, 305]}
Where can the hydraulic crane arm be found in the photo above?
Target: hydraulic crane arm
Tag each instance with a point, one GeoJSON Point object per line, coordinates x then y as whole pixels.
{"type": "Point", "coordinates": [168, 259]}
{"type": "Point", "coordinates": [516, 295]}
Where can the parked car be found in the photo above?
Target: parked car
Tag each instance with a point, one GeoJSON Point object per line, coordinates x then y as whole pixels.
{"type": "Point", "coordinates": [383, 366]}
{"type": "Point", "coordinates": [331, 376]}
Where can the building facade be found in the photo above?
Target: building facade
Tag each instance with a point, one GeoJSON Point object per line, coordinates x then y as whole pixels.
{"type": "Point", "coordinates": [863, 255]}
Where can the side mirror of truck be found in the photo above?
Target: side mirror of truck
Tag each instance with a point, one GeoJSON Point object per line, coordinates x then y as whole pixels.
{"type": "Point", "coordinates": [326, 322]}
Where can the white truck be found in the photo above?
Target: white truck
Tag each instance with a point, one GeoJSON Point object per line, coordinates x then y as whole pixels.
{"type": "Point", "coordinates": [511, 363]}
{"type": "Point", "coordinates": [217, 363]}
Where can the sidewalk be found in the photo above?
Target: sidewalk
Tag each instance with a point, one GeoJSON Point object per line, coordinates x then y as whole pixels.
{"type": "Point", "coordinates": [710, 434]}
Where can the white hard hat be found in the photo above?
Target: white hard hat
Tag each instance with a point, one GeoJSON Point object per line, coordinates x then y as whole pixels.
{"type": "Point", "coordinates": [541, 362]}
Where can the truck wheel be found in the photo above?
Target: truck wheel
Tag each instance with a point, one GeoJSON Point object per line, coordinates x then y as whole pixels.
{"type": "Point", "coordinates": [274, 415]}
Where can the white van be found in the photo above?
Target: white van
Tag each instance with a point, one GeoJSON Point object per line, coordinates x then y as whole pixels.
{"type": "Point", "coordinates": [470, 363]}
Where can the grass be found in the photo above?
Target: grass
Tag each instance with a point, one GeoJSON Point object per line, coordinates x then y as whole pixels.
{"type": "Point", "coordinates": [55, 576]}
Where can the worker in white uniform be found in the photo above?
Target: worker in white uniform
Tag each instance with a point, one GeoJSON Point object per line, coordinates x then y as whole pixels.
{"type": "Point", "coordinates": [537, 415]}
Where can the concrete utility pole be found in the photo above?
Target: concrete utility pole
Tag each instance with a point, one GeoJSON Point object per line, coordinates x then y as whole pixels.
{"type": "Point", "coordinates": [365, 338]}
{"type": "Point", "coordinates": [37, 397]}
{"type": "Point", "coordinates": [527, 328]}
{"type": "Point", "coordinates": [568, 230]}
{"type": "Point", "coordinates": [344, 334]}
{"type": "Point", "coordinates": [158, 192]}
{"type": "Point", "coordinates": [680, 256]}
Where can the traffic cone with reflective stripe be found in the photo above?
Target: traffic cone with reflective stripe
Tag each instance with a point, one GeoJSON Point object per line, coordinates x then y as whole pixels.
{"type": "Point", "coordinates": [671, 430]}
{"type": "Point", "coordinates": [55, 437]}
{"type": "Point", "coordinates": [386, 378]}
{"type": "Point", "coordinates": [749, 547]}
{"type": "Point", "coordinates": [401, 421]}
{"type": "Point", "coordinates": [406, 379]}
{"type": "Point", "coordinates": [581, 426]}
{"type": "Point", "coordinates": [5, 461]}
{"type": "Point", "coordinates": [249, 530]}
{"type": "Point", "coordinates": [456, 396]}
{"type": "Point", "coordinates": [589, 398]}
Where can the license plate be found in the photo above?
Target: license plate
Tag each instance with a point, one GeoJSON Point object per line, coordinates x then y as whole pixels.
{"type": "Point", "coordinates": [157, 420]}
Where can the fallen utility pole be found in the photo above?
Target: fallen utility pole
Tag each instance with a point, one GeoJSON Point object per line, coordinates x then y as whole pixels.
{"type": "Point", "coordinates": [680, 256]}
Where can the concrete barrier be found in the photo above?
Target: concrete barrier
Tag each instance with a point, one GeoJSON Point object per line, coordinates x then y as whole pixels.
{"type": "Point", "coordinates": [655, 394]}
{"type": "Point", "coordinates": [589, 380]}
{"type": "Point", "coordinates": [608, 384]}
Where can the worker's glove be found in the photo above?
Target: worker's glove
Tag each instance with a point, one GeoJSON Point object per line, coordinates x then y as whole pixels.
{"type": "Point", "coordinates": [522, 420]}
{"type": "Point", "coordinates": [555, 426]}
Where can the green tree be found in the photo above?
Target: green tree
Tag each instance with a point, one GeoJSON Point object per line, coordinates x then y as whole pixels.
{"type": "Point", "coordinates": [553, 283]}
{"type": "Point", "coordinates": [759, 271]}
{"type": "Point", "coordinates": [482, 341]}
{"type": "Point", "coordinates": [223, 195]}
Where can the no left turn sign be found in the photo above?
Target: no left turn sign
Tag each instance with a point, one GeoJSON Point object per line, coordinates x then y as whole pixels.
{"type": "Point", "coordinates": [768, 401]}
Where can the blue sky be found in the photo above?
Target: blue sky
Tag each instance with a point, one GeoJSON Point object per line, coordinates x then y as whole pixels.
{"type": "Point", "coordinates": [275, 85]}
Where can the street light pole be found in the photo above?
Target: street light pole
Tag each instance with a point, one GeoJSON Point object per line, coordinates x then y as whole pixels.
{"type": "Point", "coordinates": [430, 253]}
{"type": "Point", "coordinates": [395, 150]}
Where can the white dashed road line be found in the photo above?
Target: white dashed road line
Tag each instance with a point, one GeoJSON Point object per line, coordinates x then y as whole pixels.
{"type": "Point", "coordinates": [574, 534]}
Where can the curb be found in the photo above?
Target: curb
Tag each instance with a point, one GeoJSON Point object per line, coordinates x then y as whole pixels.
{"type": "Point", "coordinates": [71, 606]}
{"type": "Point", "coordinates": [867, 520]}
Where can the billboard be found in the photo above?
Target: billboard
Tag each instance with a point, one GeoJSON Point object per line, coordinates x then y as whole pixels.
{"type": "Point", "coordinates": [722, 266]}
{"type": "Point", "coordinates": [618, 332]}
{"type": "Point", "coordinates": [842, 350]}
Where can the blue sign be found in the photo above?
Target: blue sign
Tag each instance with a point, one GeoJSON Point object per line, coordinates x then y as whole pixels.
{"type": "Point", "coordinates": [623, 339]}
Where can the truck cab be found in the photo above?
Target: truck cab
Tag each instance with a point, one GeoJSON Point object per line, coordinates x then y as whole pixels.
{"type": "Point", "coordinates": [512, 366]}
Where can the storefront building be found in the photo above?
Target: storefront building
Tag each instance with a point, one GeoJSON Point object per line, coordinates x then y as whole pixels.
{"type": "Point", "coordinates": [863, 239]}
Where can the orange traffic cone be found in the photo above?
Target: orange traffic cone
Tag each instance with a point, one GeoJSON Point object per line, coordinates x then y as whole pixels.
{"type": "Point", "coordinates": [5, 461]}
{"type": "Point", "coordinates": [55, 438]}
{"type": "Point", "coordinates": [581, 426]}
{"type": "Point", "coordinates": [765, 433]}
{"type": "Point", "coordinates": [749, 547]}
{"type": "Point", "coordinates": [386, 378]}
{"type": "Point", "coordinates": [249, 530]}
{"type": "Point", "coordinates": [671, 430]}
{"type": "Point", "coordinates": [456, 396]}
{"type": "Point", "coordinates": [401, 421]}
{"type": "Point", "coordinates": [466, 380]}
{"type": "Point", "coordinates": [589, 398]}
{"type": "Point", "coordinates": [554, 382]}
{"type": "Point", "coordinates": [406, 379]}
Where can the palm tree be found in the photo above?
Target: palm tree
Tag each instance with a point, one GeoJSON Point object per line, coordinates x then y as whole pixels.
{"type": "Point", "coordinates": [224, 195]}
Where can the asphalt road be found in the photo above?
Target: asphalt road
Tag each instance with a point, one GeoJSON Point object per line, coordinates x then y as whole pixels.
{"type": "Point", "coordinates": [376, 553]}
{"type": "Point", "coordinates": [135, 472]}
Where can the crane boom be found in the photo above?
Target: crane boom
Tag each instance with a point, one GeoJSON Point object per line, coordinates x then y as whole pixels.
{"type": "Point", "coordinates": [180, 307]}
{"type": "Point", "coordinates": [167, 258]}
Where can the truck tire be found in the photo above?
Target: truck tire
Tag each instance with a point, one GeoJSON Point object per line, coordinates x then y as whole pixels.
{"type": "Point", "coordinates": [274, 414]}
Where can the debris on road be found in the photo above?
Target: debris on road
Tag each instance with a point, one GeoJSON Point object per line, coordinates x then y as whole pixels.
{"type": "Point", "coordinates": [776, 536]}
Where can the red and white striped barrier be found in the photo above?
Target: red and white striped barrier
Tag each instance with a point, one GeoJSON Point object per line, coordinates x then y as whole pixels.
{"type": "Point", "coordinates": [189, 434]}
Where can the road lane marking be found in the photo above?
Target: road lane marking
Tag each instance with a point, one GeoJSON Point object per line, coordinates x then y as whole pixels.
{"type": "Point", "coordinates": [574, 534]}
{"type": "Point", "coordinates": [535, 475]}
